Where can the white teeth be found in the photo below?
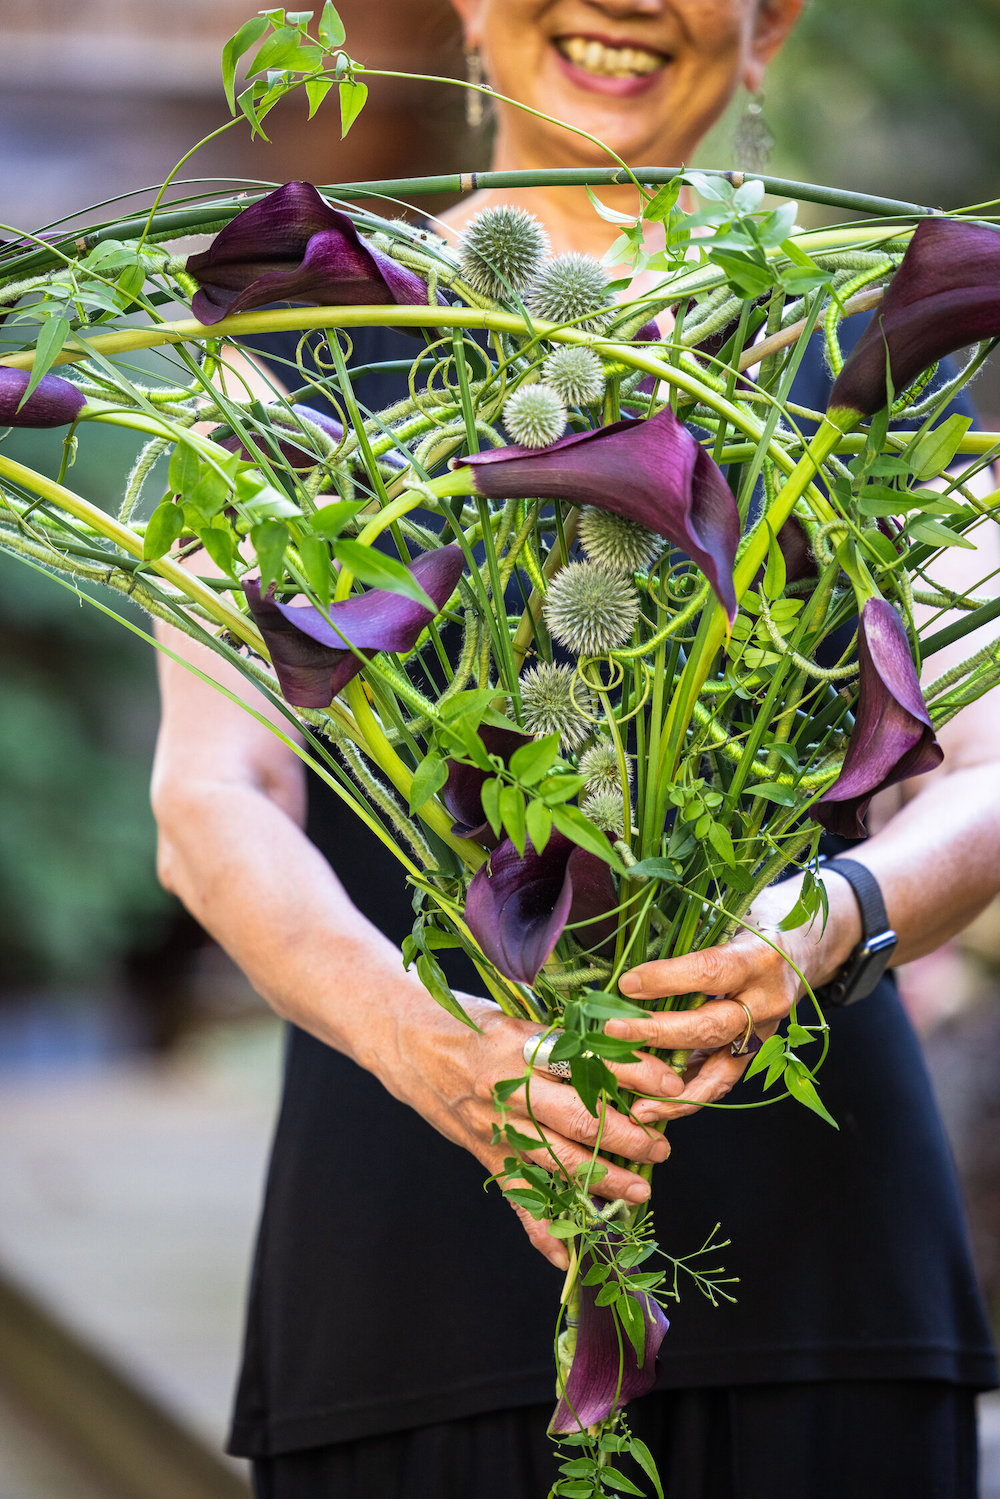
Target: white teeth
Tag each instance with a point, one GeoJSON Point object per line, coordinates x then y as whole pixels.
{"type": "Point", "coordinates": [609, 62]}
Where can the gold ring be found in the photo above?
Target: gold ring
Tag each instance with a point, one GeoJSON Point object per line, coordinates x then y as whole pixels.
{"type": "Point", "coordinates": [748, 1042]}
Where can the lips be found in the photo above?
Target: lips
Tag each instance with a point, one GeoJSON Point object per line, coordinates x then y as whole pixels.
{"type": "Point", "coordinates": [606, 60]}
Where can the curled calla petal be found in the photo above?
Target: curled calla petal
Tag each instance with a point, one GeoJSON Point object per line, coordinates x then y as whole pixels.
{"type": "Point", "coordinates": [462, 791]}
{"type": "Point", "coordinates": [651, 471]}
{"type": "Point", "coordinates": [893, 738]}
{"type": "Point", "coordinates": [291, 446]}
{"type": "Point", "coordinates": [54, 402]}
{"type": "Point", "coordinates": [293, 247]}
{"type": "Point", "coordinates": [945, 295]}
{"type": "Point", "coordinates": [605, 1373]}
{"type": "Point", "coordinates": [309, 653]}
{"type": "Point", "coordinates": [518, 906]}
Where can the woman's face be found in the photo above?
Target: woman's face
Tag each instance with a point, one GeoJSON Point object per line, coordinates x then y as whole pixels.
{"type": "Point", "coordinates": [647, 77]}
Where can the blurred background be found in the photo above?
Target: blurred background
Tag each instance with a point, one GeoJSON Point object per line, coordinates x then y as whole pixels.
{"type": "Point", "coordinates": [138, 1072]}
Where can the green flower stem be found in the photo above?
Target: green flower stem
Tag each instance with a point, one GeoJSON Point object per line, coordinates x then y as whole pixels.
{"type": "Point", "coordinates": [129, 541]}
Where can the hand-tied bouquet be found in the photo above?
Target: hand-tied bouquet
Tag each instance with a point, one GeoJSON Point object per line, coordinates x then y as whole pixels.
{"type": "Point", "coordinates": [595, 628]}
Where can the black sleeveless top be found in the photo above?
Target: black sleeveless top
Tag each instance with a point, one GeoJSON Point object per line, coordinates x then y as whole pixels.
{"type": "Point", "coordinates": [390, 1290]}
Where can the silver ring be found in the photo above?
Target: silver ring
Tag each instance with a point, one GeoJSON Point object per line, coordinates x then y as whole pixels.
{"type": "Point", "coordinates": [537, 1051]}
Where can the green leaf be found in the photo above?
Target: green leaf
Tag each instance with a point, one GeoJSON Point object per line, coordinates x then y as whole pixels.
{"type": "Point", "coordinates": [531, 761]}
{"type": "Point", "coordinates": [749, 278]}
{"type": "Point", "coordinates": [270, 539]}
{"type": "Point", "coordinates": [599, 1005]}
{"type": "Point", "coordinates": [772, 792]}
{"type": "Point", "coordinates": [559, 788]}
{"type": "Point", "coordinates": [185, 469]}
{"type": "Point", "coordinates": [774, 573]}
{"type": "Point", "coordinates": [773, 1049]}
{"type": "Point", "coordinates": [538, 820]}
{"type": "Point", "coordinates": [641, 1454]}
{"type": "Point", "coordinates": [331, 27]}
{"type": "Point", "coordinates": [512, 816]}
{"type": "Point", "coordinates": [616, 1480]}
{"type": "Point", "coordinates": [654, 869]}
{"type": "Point", "coordinates": [316, 566]}
{"type": "Point", "coordinates": [352, 100]}
{"type": "Point", "coordinates": [428, 778]}
{"type": "Point", "coordinates": [561, 1230]}
{"type": "Point", "coordinates": [934, 533]}
{"type": "Point", "coordinates": [634, 1323]}
{"type": "Point", "coordinates": [380, 571]}
{"type": "Point", "coordinates": [316, 91]}
{"type": "Point", "coordinates": [279, 51]}
{"type": "Point", "coordinates": [165, 525]}
{"type": "Point", "coordinates": [48, 346]}
{"type": "Point", "coordinates": [931, 454]}
{"type": "Point", "coordinates": [801, 1087]}
{"type": "Point", "coordinates": [720, 839]}
{"type": "Point", "coordinates": [220, 544]}
{"type": "Point", "coordinates": [571, 822]}
{"type": "Point", "coordinates": [431, 975]}
{"type": "Point", "coordinates": [330, 520]}
{"type": "Point", "coordinates": [248, 34]}
{"type": "Point", "coordinates": [248, 102]}
{"type": "Point", "coordinates": [518, 1141]}
{"type": "Point", "coordinates": [490, 798]}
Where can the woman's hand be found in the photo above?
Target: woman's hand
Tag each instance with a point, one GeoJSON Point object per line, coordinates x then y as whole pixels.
{"type": "Point", "coordinates": [447, 1073]}
{"type": "Point", "coordinates": [760, 975]}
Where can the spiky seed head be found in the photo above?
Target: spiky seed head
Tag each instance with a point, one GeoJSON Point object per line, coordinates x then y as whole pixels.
{"type": "Point", "coordinates": [534, 416]}
{"type": "Point", "coordinates": [501, 250]}
{"type": "Point", "coordinates": [616, 543]}
{"type": "Point", "coordinates": [606, 810]}
{"type": "Point", "coordinates": [590, 610]}
{"type": "Point", "coordinates": [576, 373]}
{"type": "Point", "coordinates": [554, 702]}
{"type": "Point", "coordinates": [571, 288]}
{"type": "Point", "coordinates": [600, 769]}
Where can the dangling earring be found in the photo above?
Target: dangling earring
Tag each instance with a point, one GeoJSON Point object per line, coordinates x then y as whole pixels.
{"type": "Point", "coordinates": [752, 139]}
{"type": "Point", "coordinates": [473, 99]}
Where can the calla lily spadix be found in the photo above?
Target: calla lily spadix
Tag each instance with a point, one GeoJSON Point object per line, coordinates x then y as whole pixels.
{"type": "Point", "coordinates": [893, 738]}
{"type": "Point", "coordinates": [293, 247]}
{"type": "Point", "coordinates": [605, 1373]}
{"type": "Point", "coordinates": [462, 791]}
{"type": "Point", "coordinates": [54, 402]}
{"type": "Point", "coordinates": [518, 906]}
{"type": "Point", "coordinates": [651, 471]}
{"type": "Point", "coordinates": [945, 295]}
{"type": "Point", "coordinates": [311, 655]}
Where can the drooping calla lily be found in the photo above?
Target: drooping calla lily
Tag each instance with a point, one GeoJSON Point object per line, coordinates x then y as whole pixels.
{"type": "Point", "coordinates": [293, 247]}
{"type": "Point", "coordinates": [54, 402]}
{"type": "Point", "coordinates": [605, 1373]}
{"type": "Point", "coordinates": [945, 295]}
{"type": "Point", "coordinates": [311, 655]}
{"type": "Point", "coordinates": [462, 791]}
{"type": "Point", "coordinates": [893, 738]}
{"type": "Point", "coordinates": [291, 445]}
{"type": "Point", "coordinates": [518, 906]}
{"type": "Point", "coordinates": [651, 471]}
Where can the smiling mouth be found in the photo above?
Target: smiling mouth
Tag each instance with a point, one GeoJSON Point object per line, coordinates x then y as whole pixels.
{"type": "Point", "coordinates": [609, 62]}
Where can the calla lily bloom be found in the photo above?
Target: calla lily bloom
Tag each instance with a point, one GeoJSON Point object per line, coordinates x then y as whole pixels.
{"type": "Point", "coordinates": [518, 906]}
{"type": "Point", "coordinates": [291, 445]}
{"type": "Point", "coordinates": [651, 471]}
{"type": "Point", "coordinates": [462, 791]}
{"type": "Point", "coordinates": [54, 402]}
{"type": "Point", "coordinates": [945, 295]}
{"type": "Point", "coordinates": [893, 738]}
{"type": "Point", "coordinates": [605, 1374]}
{"type": "Point", "coordinates": [311, 655]}
{"type": "Point", "coordinates": [293, 247]}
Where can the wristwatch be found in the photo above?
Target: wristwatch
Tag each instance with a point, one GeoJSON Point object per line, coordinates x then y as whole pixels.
{"type": "Point", "coordinates": [870, 958]}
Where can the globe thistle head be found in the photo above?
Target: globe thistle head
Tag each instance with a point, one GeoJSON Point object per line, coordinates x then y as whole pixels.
{"type": "Point", "coordinates": [576, 373]}
{"type": "Point", "coordinates": [616, 543]}
{"type": "Point", "coordinates": [590, 610]}
{"type": "Point", "coordinates": [500, 251]}
{"type": "Point", "coordinates": [554, 702]}
{"type": "Point", "coordinates": [571, 288]}
{"type": "Point", "coordinates": [606, 811]}
{"type": "Point", "coordinates": [534, 416]}
{"type": "Point", "coordinates": [600, 769]}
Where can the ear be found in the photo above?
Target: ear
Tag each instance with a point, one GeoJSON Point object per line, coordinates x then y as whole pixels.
{"type": "Point", "coordinates": [469, 15]}
{"type": "Point", "coordinates": [772, 23]}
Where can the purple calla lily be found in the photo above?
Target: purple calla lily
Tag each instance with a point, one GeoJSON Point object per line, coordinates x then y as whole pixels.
{"type": "Point", "coordinates": [893, 737]}
{"type": "Point", "coordinates": [605, 1374]}
{"type": "Point", "coordinates": [293, 247]}
{"type": "Point", "coordinates": [54, 402]}
{"type": "Point", "coordinates": [310, 657]}
{"type": "Point", "coordinates": [651, 471]}
{"type": "Point", "coordinates": [518, 906]}
{"type": "Point", "coordinates": [462, 791]}
{"type": "Point", "coordinates": [945, 295]}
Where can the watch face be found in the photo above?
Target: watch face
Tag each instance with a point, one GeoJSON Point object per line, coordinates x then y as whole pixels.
{"type": "Point", "coordinates": [870, 962]}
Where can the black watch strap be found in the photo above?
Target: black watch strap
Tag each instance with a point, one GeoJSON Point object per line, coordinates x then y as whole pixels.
{"type": "Point", "coordinates": [870, 958]}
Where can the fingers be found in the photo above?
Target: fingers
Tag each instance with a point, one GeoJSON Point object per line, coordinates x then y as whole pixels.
{"type": "Point", "coordinates": [537, 1230]}
{"type": "Point", "coordinates": [712, 1079]}
{"type": "Point", "coordinates": [559, 1108]}
{"type": "Point", "coordinates": [717, 1023]}
{"type": "Point", "coordinates": [715, 970]}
